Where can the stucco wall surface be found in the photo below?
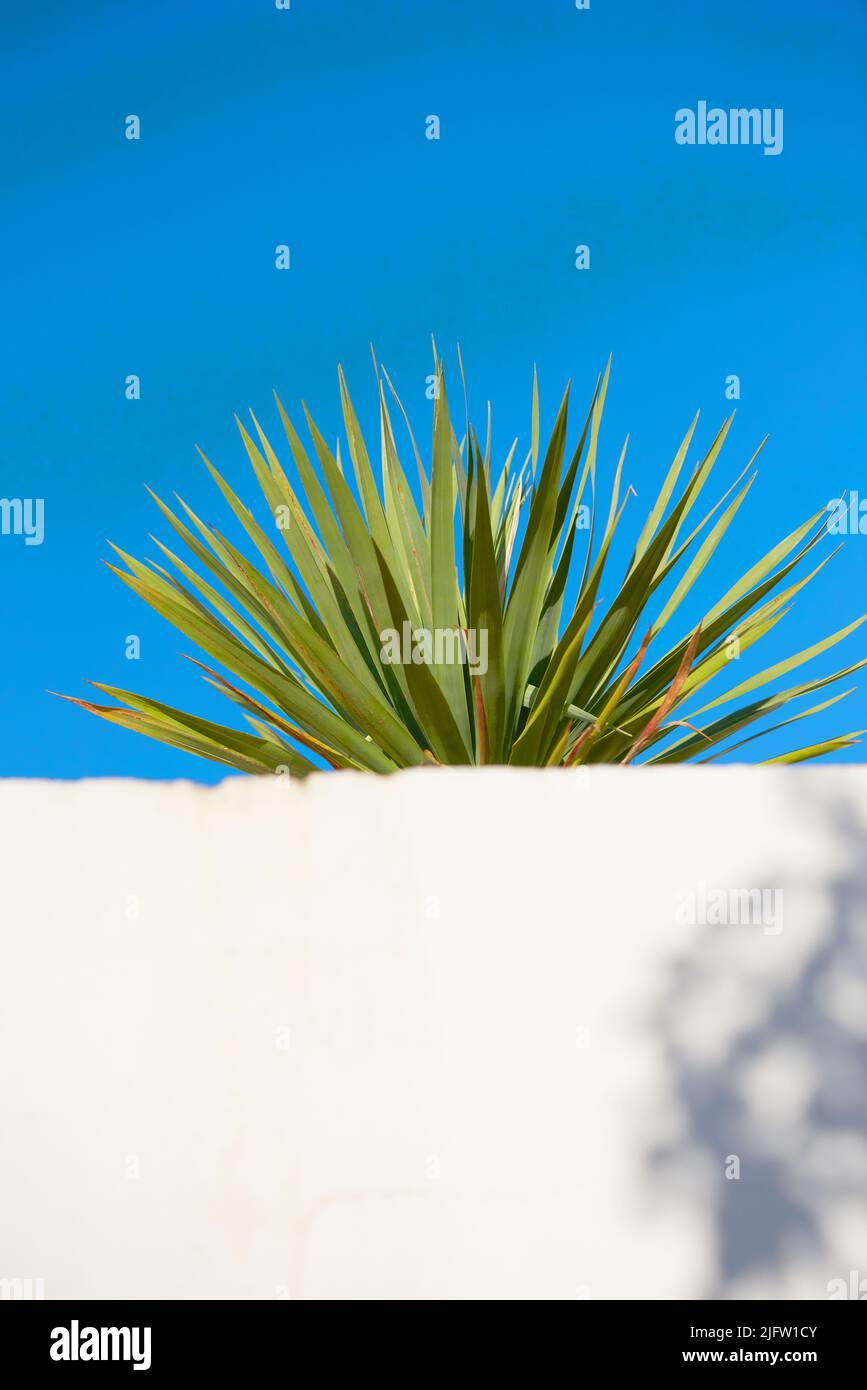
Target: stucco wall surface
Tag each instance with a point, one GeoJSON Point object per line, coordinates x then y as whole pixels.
{"type": "Point", "coordinates": [451, 1034]}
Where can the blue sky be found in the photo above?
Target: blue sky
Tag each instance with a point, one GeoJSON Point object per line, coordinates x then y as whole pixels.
{"type": "Point", "coordinates": [307, 127]}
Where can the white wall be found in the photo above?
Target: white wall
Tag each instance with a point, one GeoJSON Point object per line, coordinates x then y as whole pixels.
{"type": "Point", "coordinates": [435, 1035]}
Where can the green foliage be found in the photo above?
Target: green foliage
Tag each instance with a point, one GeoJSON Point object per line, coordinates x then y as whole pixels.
{"type": "Point", "coordinates": [300, 637]}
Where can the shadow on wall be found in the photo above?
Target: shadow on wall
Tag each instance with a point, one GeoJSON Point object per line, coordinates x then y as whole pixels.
{"type": "Point", "coordinates": [766, 1074]}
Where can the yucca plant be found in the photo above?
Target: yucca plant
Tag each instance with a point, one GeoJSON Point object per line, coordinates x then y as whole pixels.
{"type": "Point", "coordinates": [311, 637]}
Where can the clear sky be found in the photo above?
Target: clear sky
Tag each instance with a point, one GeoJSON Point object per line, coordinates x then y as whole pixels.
{"type": "Point", "coordinates": [306, 127]}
